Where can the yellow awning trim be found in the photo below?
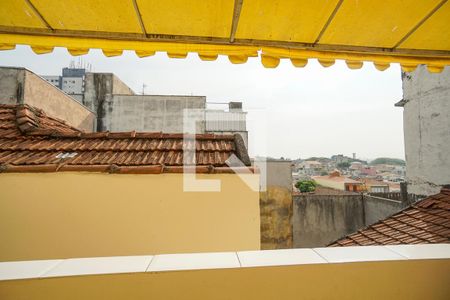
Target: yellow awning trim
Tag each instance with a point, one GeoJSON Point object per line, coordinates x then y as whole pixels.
{"type": "Point", "coordinates": [238, 59]}
{"type": "Point", "coordinates": [7, 46]}
{"type": "Point", "coordinates": [208, 57]}
{"type": "Point", "coordinates": [270, 61]}
{"type": "Point", "coordinates": [381, 66]}
{"type": "Point", "coordinates": [112, 52]}
{"type": "Point", "coordinates": [408, 67]}
{"type": "Point", "coordinates": [177, 54]}
{"type": "Point", "coordinates": [41, 49]}
{"type": "Point", "coordinates": [78, 51]}
{"type": "Point", "coordinates": [326, 62]}
{"type": "Point", "coordinates": [381, 62]}
{"type": "Point", "coordinates": [144, 53]}
{"type": "Point", "coordinates": [353, 64]}
{"type": "Point", "coordinates": [299, 62]}
{"type": "Point", "coordinates": [435, 69]}
{"type": "Point", "coordinates": [270, 56]}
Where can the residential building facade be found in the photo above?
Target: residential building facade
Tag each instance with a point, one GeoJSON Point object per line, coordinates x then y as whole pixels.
{"type": "Point", "coordinates": [71, 82]}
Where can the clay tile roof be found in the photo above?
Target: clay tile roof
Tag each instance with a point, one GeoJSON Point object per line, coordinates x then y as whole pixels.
{"type": "Point", "coordinates": [32, 141]}
{"type": "Point", "coordinates": [425, 222]}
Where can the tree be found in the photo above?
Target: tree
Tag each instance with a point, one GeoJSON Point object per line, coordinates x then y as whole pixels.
{"type": "Point", "coordinates": [343, 165]}
{"type": "Point", "coordinates": [306, 186]}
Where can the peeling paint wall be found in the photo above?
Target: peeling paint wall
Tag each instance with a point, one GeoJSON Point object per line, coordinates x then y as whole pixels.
{"type": "Point", "coordinates": [426, 120]}
{"type": "Point", "coordinates": [276, 207]}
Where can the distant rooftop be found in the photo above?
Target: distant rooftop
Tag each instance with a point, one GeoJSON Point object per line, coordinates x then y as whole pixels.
{"type": "Point", "coordinates": [32, 141]}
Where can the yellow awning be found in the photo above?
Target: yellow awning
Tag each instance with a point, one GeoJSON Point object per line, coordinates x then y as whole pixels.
{"type": "Point", "coordinates": [408, 32]}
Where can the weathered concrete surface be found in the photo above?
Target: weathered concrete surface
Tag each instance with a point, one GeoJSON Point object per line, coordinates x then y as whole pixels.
{"type": "Point", "coordinates": [98, 96]}
{"type": "Point", "coordinates": [11, 85]}
{"type": "Point", "coordinates": [376, 208]}
{"type": "Point", "coordinates": [119, 109]}
{"type": "Point", "coordinates": [276, 207]}
{"type": "Point", "coordinates": [426, 119]}
{"type": "Point", "coordinates": [154, 113]}
{"type": "Point", "coordinates": [321, 219]}
{"type": "Point", "coordinates": [21, 86]}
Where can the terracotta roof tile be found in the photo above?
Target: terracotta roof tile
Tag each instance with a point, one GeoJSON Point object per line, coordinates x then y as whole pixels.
{"type": "Point", "coordinates": [426, 221]}
{"type": "Point", "coordinates": [28, 137]}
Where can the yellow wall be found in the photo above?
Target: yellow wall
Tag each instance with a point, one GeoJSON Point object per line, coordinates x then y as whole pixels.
{"type": "Point", "coordinates": [276, 218]}
{"type": "Point", "coordinates": [61, 215]}
{"type": "Point", "coordinates": [408, 279]}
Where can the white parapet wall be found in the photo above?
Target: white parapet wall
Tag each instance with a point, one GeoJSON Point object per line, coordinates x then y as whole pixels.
{"type": "Point", "coordinates": [372, 272]}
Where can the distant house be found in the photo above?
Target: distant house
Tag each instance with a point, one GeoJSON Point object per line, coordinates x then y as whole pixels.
{"type": "Point", "coordinates": [375, 186]}
{"type": "Point", "coordinates": [368, 171]}
{"type": "Point", "coordinates": [340, 158]}
{"type": "Point", "coordinates": [336, 181]}
{"type": "Point", "coordinates": [356, 165]}
{"type": "Point", "coordinates": [310, 167]}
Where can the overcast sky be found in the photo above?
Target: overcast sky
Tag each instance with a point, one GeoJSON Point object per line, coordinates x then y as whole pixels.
{"type": "Point", "coordinates": [293, 112]}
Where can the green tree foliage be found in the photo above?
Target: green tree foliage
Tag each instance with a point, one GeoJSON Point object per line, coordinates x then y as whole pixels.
{"type": "Point", "coordinates": [343, 165]}
{"type": "Point", "coordinates": [306, 186]}
{"type": "Point", "coordinates": [387, 161]}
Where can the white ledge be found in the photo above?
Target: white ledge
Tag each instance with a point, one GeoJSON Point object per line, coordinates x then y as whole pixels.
{"type": "Point", "coordinates": [220, 260]}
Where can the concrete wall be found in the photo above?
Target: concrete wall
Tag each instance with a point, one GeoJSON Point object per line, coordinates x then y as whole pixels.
{"type": "Point", "coordinates": [321, 219]}
{"type": "Point", "coordinates": [276, 206]}
{"type": "Point", "coordinates": [98, 94]}
{"type": "Point", "coordinates": [11, 85]}
{"type": "Point", "coordinates": [426, 119]}
{"type": "Point", "coordinates": [120, 87]}
{"type": "Point", "coordinates": [119, 109]}
{"type": "Point", "coordinates": [376, 208]}
{"type": "Point", "coordinates": [154, 113]}
{"type": "Point", "coordinates": [19, 86]}
{"type": "Point", "coordinates": [61, 215]}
